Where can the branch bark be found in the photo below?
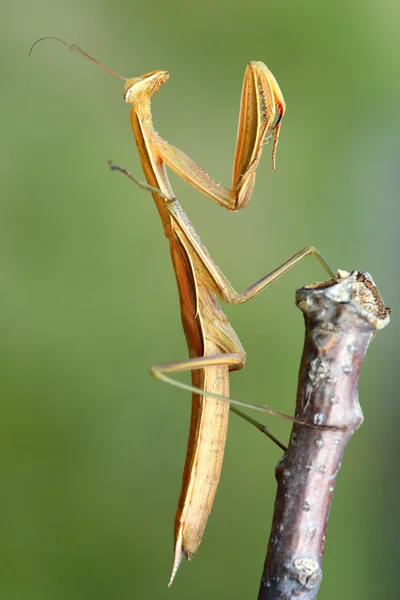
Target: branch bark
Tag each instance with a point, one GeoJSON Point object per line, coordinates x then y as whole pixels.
{"type": "Point", "coordinates": [341, 318]}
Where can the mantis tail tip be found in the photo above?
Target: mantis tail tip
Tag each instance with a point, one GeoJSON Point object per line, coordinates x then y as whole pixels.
{"type": "Point", "coordinates": [177, 559]}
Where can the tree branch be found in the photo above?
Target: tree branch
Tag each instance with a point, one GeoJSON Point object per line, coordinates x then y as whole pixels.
{"type": "Point", "coordinates": [341, 318]}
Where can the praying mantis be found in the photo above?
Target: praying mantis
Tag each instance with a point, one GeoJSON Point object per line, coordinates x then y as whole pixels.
{"type": "Point", "coordinates": [214, 347]}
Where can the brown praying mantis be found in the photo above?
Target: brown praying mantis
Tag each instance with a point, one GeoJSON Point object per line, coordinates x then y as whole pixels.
{"type": "Point", "coordinates": [214, 348]}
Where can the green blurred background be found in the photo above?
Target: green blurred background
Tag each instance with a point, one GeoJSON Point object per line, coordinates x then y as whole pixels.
{"type": "Point", "coordinates": [93, 447]}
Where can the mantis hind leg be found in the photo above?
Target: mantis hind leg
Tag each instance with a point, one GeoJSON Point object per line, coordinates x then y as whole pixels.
{"type": "Point", "coordinates": [193, 364]}
{"type": "Point", "coordinates": [163, 372]}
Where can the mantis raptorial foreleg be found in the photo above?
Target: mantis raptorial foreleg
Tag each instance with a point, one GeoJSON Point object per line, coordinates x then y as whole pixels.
{"type": "Point", "coordinates": [262, 108]}
{"type": "Point", "coordinates": [261, 99]}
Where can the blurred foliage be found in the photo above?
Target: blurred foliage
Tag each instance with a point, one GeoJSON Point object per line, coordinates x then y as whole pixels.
{"type": "Point", "coordinates": [92, 447]}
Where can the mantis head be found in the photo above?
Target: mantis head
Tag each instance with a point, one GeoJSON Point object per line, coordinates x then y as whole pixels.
{"type": "Point", "coordinates": [141, 88]}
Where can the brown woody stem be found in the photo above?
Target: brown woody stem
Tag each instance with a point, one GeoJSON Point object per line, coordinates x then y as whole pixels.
{"type": "Point", "coordinates": [341, 318]}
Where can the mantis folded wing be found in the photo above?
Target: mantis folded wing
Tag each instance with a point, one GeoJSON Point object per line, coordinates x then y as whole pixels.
{"type": "Point", "coordinates": [214, 348]}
